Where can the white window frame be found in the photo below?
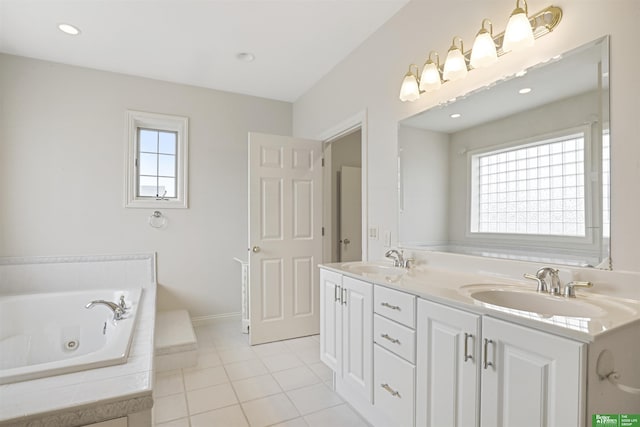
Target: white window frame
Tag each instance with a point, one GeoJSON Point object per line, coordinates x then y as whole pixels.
{"type": "Point", "coordinates": [508, 239]}
{"type": "Point", "coordinates": [163, 122]}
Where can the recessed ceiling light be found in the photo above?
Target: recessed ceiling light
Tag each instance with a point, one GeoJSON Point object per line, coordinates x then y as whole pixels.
{"type": "Point", "coordinates": [69, 29]}
{"type": "Point", "coordinates": [455, 115]}
{"type": "Point", "coordinates": [524, 90]}
{"type": "Point", "coordinates": [246, 56]}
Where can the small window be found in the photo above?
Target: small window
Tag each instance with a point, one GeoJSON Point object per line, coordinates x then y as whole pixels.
{"type": "Point", "coordinates": [533, 189]}
{"type": "Point", "coordinates": [156, 161]}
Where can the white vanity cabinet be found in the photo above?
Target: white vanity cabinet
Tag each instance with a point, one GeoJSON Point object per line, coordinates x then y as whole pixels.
{"type": "Point", "coordinates": [530, 377]}
{"type": "Point", "coordinates": [346, 327]}
{"type": "Point", "coordinates": [447, 366]}
{"type": "Point", "coordinates": [394, 372]}
{"type": "Point", "coordinates": [521, 376]}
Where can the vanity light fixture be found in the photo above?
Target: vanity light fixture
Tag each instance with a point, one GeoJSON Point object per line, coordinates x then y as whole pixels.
{"type": "Point", "coordinates": [486, 49]}
{"type": "Point", "coordinates": [484, 52]}
{"type": "Point", "coordinates": [455, 66]}
{"type": "Point", "coordinates": [409, 91]}
{"type": "Point", "coordinates": [519, 33]}
{"type": "Point", "coordinates": [69, 29]}
{"type": "Point", "coordinates": [430, 79]}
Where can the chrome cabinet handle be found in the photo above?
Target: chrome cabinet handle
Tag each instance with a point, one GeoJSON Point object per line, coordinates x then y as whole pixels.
{"type": "Point", "coordinates": [392, 307]}
{"type": "Point", "coordinates": [391, 391]}
{"type": "Point", "coordinates": [467, 356]}
{"type": "Point", "coordinates": [344, 296]}
{"type": "Point", "coordinates": [486, 360]}
{"type": "Point", "coordinates": [336, 293]}
{"type": "Point", "coordinates": [393, 340]}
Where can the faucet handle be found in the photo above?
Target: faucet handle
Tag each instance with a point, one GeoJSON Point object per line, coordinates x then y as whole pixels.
{"type": "Point", "coordinates": [542, 285]}
{"type": "Point", "coordinates": [569, 288]}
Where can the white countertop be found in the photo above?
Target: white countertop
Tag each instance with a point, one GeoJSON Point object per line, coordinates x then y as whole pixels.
{"type": "Point", "coordinates": [90, 396]}
{"type": "Point", "coordinates": [448, 287]}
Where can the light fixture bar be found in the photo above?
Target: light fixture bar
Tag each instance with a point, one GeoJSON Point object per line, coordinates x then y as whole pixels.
{"type": "Point", "coordinates": [542, 23]}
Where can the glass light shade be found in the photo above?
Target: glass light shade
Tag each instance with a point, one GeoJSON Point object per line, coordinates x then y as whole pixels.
{"type": "Point", "coordinates": [484, 51]}
{"type": "Point", "coordinates": [455, 67]}
{"type": "Point", "coordinates": [409, 90]}
{"type": "Point", "coordinates": [430, 79]}
{"type": "Point", "coordinates": [519, 33]}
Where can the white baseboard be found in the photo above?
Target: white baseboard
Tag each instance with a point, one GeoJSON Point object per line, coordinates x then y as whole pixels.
{"type": "Point", "coordinates": [212, 318]}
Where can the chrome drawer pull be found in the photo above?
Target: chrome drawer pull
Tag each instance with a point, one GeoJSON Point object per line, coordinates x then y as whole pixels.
{"type": "Point", "coordinates": [467, 356]}
{"type": "Point", "coordinates": [391, 391]}
{"type": "Point", "coordinates": [486, 360]}
{"type": "Point", "coordinates": [336, 293]}
{"type": "Point", "coordinates": [393, 340]}
{"type": "Point", "coordinates": [392, 307]}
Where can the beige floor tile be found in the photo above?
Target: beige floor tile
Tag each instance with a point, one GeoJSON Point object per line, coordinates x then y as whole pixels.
{"type": "Point", "coordinates": [168, 382]}
{"type": "Point", "coordinates": [237, 354]}
{"type": "Point", "coordinates": [270, 349]}
{"type": "Point", "coordinates": [210, 398]}
{"type": "Point", "coordinates": [280, 362]}
{"type": "Point", "coordinates": [169, 408]}
{"type": "Point", "coordinates": [231, 416]}
{"type": "Point", "coordinates": [341, 415]}
{"type": "Point", "coordinates": [245, 369]}
{"type": "Point", "coordinates": [182, 422]}
{"type": "Point", "coordinates": [314, 398]}
{"type": "Point", "coordinates": [322, 371]}
{"type": "Point", "coordinates": [201, 378]}
{"type": "Point", "coordinates": [296, 422]}
{"type": "Point", "coordinates": [256, 387]}
{"type": "Point", "coordinates": [269, 410]}
{"type": "Point", "coordinates": [301, 376]}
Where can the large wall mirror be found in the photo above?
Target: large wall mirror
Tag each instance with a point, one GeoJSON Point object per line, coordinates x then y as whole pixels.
{"type": "Point", "coordinates": [518, 169]}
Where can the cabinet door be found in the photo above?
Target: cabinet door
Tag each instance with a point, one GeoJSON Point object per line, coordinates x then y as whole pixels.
{"type": "Point", "coordinates": [330, 319]}
{"type": "Point", "coordinates": [447, 366]}
{"type": "Point", "coordinates": [534, 378]}
{"type": "Point", "coordinates": [357, 336]}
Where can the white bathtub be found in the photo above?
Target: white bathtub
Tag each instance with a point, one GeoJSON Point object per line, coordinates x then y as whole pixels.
{"type": "Point", "coordinates": [47, 334]}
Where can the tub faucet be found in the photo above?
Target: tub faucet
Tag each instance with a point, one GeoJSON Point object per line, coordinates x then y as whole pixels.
{"type": "Point", "coordinates": [118, 312]}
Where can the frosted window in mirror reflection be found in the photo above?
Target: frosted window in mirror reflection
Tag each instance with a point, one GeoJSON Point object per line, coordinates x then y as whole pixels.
{"type": "Point", "coordinates": [535, 188]}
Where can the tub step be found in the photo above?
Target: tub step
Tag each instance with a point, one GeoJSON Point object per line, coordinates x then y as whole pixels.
{"type": "Point", "coordinates": [176, 345]}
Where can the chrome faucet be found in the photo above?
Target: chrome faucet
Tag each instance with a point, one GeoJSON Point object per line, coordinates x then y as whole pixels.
{"type": "Point", "coordinates": [541, 277]}
{"type": "Point", "coordinates": [118, 312]}
{"type": "Point", "coordinates": [398, 259]}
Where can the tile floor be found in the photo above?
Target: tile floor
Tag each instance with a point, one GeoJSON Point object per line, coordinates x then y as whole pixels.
{"type": "Point", "coordinates": [277, 384]}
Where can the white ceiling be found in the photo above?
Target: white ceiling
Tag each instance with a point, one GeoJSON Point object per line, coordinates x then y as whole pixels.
{"type": "Point", "coordinates": [295, 42]}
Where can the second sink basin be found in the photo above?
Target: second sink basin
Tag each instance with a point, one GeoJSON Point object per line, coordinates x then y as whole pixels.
{"type": "Point", "coordinates": [542, 304]}
{"type": "Point", "coordinates": [371, 268]}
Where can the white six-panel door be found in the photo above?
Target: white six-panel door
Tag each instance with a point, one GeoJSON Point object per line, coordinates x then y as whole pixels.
{"type": "Point", "coordinates": [285, 243]}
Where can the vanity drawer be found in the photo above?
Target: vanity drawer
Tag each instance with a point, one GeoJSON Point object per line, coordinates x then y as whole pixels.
{"type": "Point", "coordinates": [395, 305]}
{"type": "Point", "coordinates": [395, 337]}
{"type": "Point", "coordinates": [394, 385]}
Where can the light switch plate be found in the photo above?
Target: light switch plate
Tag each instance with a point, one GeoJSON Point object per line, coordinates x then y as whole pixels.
{"type": "Point", "coordinates": [373, 233]}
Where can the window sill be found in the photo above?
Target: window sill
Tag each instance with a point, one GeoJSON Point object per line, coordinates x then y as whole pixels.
{"type": "Point", "coordinates": [156, 204]}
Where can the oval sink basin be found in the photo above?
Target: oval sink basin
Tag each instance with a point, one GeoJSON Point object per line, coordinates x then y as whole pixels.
{"type": "Point", "coordinates": [539, 303]}
{"type": "Point", "coordinates": [367, 268]}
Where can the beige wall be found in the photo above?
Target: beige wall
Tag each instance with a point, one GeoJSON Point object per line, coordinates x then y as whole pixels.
{"type": "Point", "coordinates": [62, 152]}
{"type": "Point", "coordinates": [370, 79]}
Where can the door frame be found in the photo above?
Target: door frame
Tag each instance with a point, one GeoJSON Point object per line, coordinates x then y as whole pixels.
{"type": "Point", "coordinates": [347, 126]}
